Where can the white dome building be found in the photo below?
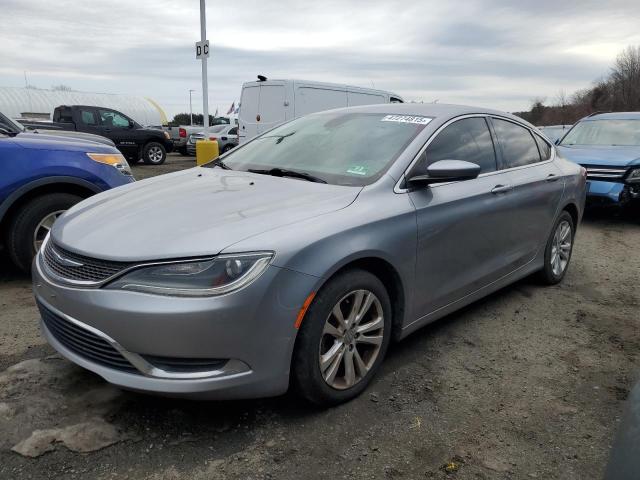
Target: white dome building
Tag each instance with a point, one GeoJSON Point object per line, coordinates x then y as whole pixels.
{"type": "Point", "coordinates": [37, 104]}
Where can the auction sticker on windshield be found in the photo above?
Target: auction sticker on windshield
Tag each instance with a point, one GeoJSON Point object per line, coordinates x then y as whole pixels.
{"type": "Point", "coordinates": [406, 119]}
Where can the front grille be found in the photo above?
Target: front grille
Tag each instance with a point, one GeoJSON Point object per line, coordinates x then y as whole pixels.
{"type": "Point", "coordinates": [175, 364]}
{"type": "Point", "coordinates": [87, 269]}
{"type": "Point", "coordinates": [84, 343]}
{"type": "Point", "coordinates": [607, 174]}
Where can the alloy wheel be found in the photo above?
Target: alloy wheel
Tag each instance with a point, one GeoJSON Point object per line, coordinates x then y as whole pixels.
{"type": "Point", "coordinates": [155, 154]}
{"type": "Point", "coordinates": [43, 228]}
{"type": "Point", "coordinates": [351, 339]}
{"type": "Point", "coordinates": [561, 248]}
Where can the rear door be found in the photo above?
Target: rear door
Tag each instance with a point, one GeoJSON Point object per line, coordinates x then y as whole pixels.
{"type": "Point", "coordinates": [248, 114]}
{"type": "Point", "coordinates": [87, 120]}
{"type": "Point", "coordinates": [463, 231]}
{"type": "Point", "coordinates": [273, 103]}
{"type": "Point", "coordinates": [536, 184]}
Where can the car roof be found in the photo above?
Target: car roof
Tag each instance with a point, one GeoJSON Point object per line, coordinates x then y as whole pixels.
{"type": "Point", "coordinates": [436, 110]}
{"type": "Point", "coordinates": [613, 116]}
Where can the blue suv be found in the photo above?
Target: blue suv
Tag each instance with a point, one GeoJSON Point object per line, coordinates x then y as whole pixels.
{"type": "Point", "coordinates": [43, 175]}
{"type": "Point", "coordinates": [608, 146]}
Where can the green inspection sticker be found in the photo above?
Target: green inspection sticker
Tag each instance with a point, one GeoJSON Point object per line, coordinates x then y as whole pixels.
{"type": "Point", "coordinates": [357, 170]}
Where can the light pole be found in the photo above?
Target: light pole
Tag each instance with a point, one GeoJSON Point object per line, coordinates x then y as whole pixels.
{"type": "Point", "coordinates": [205, 91]}
{"type": "Point", "coordinates": [190, 108]}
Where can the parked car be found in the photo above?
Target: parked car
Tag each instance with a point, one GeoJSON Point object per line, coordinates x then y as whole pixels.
{"type": "Point", "coordinates": [267, 103]}
{"type": "Point", "coordinates": [180, 135]}
{"type": "Point", "coordinates": [608, 146]}
{"type": "Point", "coordinates": [41, 176]}
{"type": "Point", "coordinates": [297, 257]}
{"type": "Point", "coordinates": [555, 132]}
{"type": "Point", "coordinates": [134, 141]}
{"type": "Point", "coordinates": [225, 135]}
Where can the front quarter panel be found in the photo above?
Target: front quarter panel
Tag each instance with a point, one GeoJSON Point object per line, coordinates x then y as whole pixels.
{"type": "Point", "coordinates": [379, 224]}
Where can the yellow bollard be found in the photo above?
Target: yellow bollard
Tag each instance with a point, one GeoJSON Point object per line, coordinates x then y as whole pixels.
{"type": "Point", "coordinates": [206, 150]}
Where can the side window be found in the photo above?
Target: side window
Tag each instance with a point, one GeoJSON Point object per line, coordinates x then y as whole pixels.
{"type": "Point", "coordinates": [544, 147]}
{"type": "Point", "coordinates": [518, 146]}
{"type": "Point", "coordinates": [233, 131]}
{"type": "Point", "coordinates": [109, 118]}
{"type": "Point", "coordinates": [88, 117]}
{"type": "Point", "coordinates": [468, 139]}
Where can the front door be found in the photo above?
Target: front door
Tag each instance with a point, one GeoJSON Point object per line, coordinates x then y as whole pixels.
{"type": "Point", "coordinates": [118, 128]}
{"type": "Point", "coordinates": [463, 227]}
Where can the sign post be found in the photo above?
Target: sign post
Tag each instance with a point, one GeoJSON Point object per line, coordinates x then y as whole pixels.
{"type": "Point", "coordinates": [202, 52]}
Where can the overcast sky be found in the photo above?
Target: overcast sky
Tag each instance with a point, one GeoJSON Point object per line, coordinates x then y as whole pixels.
{"type": "Point", "coordinates": [484, 52]}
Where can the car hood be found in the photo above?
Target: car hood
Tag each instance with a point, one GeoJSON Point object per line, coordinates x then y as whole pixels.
{"type": "Point", "coordinates": [601, 155]}
{"type": "Point", "coordinates": [40, 141]}
{"type": "Point", "coordinates": [196, 212]}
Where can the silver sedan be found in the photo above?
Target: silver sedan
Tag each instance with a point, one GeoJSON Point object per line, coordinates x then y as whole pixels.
{"type": "Point", "coordinates": [296, 258]}
{"type": "Point", "coordinates": [225, 135]}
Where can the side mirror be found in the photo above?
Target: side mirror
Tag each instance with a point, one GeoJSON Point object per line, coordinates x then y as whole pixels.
{"type": "Point", "coordinates": [445, 171]}
{"type": "Point", "coordinates": [131, 124]}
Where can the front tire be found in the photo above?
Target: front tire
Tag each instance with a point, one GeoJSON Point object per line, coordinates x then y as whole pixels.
{"type": "Point", "coordinates": [154, 153]}
{"type": "Point", "coordinates": [558, 251]}
{"type": "Point", "coordinates": [29, 226]}
{"type": "Point", "coordinates": [343, 339]}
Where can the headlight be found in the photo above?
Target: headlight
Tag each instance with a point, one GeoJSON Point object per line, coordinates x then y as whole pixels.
{"type": "Point", "coordinates": [202, 278]}
{"type": "Point", "coordinates": [634, 176]}
{"type": "Point", "coordinates": [116, 160]}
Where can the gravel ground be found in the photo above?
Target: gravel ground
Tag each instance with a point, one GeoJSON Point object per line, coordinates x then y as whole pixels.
{"type": "Point", "coordinates": [527, 383]}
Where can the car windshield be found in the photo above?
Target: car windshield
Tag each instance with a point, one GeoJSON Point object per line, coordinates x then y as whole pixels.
{"type": "Point", "coordinates": [8, 126]}
{"type": "Point", "coordinates": [604, 132]}
{"type": "Point", "coordinates": [338, 148]}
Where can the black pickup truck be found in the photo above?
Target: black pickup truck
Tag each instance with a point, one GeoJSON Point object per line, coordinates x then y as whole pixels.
{"type": "Point", "coordinates": [134, 141]}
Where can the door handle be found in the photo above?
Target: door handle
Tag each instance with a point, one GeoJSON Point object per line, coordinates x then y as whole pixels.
{"type": "Point", "coordinates": [501, 189]}
{"type": "Point", "coordinates": [552, 177]}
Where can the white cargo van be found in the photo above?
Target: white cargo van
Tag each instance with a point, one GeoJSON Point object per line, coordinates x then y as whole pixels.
{"type": "Point", "coordinates": [264, 104]}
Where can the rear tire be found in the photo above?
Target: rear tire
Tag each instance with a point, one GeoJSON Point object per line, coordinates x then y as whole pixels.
{"type": "Point", "coordinates": [21, 233]}
{"type": "Point", "coordinates": [154, 153]}
{"type": "Point", "coordinates": [358, 348]}
{"type": "Point", "coordinates": [183, 151]}
{"type": "Point", "coordinates": [226, 149]}
{"type": "Point", "coordinates": [557, 254]}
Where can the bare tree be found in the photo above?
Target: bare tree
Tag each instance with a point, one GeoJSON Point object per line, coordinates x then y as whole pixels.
{"type": "Point", "coordinates": [625, 79]}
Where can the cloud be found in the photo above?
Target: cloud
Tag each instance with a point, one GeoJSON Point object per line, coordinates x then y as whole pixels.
{"type": "Point", "coordinates": [484, 52]}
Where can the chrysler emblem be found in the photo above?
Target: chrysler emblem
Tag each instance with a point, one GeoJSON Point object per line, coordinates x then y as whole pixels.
{"type": "Point", "coordinates": [67, 262]}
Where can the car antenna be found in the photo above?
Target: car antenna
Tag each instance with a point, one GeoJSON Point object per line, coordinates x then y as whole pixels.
{"type": "Point", "coordinates": [262, 78]}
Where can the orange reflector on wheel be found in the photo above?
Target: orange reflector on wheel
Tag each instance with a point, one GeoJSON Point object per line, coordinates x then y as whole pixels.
{"type": "Point", "coordinates": [304, 308]}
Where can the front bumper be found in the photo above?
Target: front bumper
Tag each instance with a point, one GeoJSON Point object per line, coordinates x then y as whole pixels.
{"type": "Point", "coordinates": [252, 329]}
{"type": "Point", "coordinates": [611, 192]}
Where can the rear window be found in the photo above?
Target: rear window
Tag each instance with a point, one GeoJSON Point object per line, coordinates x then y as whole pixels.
{"type": "Point", "coordinates": [518, 146]}
{"type": "Point", "coordinates": [340, 148]}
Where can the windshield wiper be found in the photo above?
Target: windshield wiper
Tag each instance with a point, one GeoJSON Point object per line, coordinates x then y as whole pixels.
{"type": "Point", "coordinates": [221, 164]}
{"type": "Point", "coordinates": [283, 172]}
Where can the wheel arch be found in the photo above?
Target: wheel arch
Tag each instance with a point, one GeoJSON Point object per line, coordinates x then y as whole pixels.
{"type": "Point", "coordinates": [57, 184]}
{"type": "Point", "coordinates": [572, 209]}
{"type": "Point", "coordinates": [387, 274]}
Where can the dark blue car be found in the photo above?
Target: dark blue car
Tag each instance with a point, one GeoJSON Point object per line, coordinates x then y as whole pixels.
{"type": "Point", "coordinates": [43, 175]}
{"type": "Point", "coordinates": [608, 146]}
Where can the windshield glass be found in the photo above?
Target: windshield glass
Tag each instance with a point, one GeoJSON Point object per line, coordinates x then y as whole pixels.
{"type": "Point", "coordinates": [9, 126]}
{"type": "Point", "coordinates": [604, 132]}
{"type": "Point", "coordinates": [339, 148]}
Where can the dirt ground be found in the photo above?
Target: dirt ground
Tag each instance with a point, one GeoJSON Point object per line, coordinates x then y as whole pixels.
{"type": "Point", "coordinates": [527, 383]}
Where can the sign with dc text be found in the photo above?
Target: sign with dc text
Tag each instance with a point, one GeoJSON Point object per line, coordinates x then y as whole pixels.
{"type": "Point", "coordinates": [202, 49]}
